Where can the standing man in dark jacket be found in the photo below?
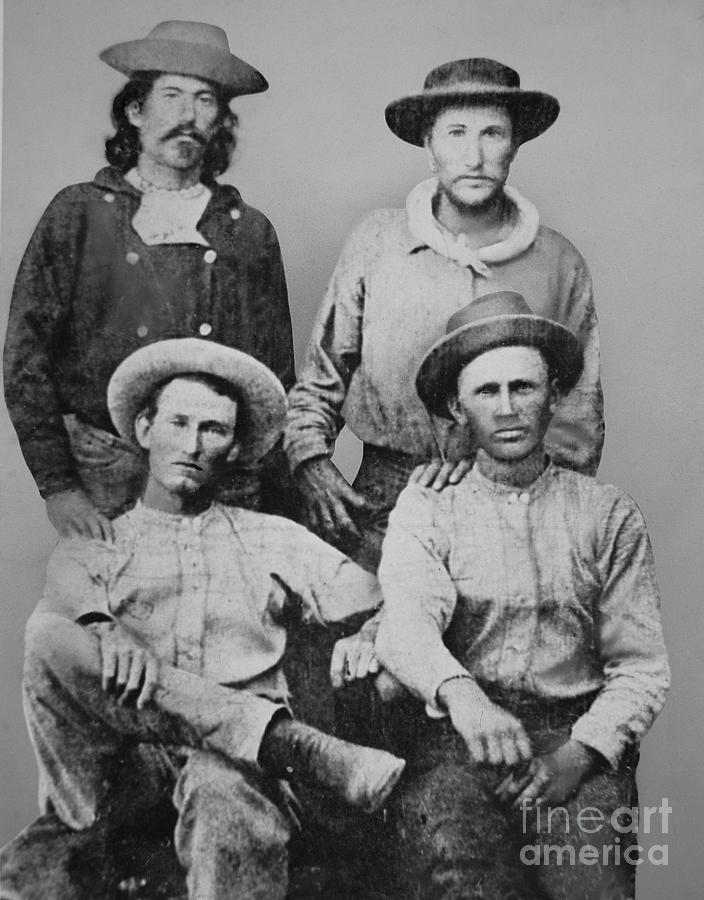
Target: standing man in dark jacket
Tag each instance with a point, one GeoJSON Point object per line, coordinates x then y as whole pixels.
{"type": "Point", "coordinates": [152, 248]}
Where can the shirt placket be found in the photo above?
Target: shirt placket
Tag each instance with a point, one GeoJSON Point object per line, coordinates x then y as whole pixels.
{"type": "Point", "coordinates": [192, 604]}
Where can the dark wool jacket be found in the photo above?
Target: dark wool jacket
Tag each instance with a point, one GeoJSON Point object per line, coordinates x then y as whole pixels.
{"type": "Point", "coordinates": [89, 292]}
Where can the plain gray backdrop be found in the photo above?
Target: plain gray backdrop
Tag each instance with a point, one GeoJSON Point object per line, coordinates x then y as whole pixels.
{"type": "Point", "coordinates": [620, 174]}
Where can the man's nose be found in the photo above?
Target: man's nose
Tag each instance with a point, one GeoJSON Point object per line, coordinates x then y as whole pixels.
{"type": "Point", "coordinates": [505, 406]}
{"type": "Point", "coordinates": [472, 153]}
{"type": "Point", "coordinates": [187, 109]}
{"type": "Point", "coordinates": [191, 441]}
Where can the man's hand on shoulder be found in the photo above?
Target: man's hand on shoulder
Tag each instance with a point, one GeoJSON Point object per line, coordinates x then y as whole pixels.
{"type": "Point", "coordinates": [491, 734]}
{"type": "Point", "coordinates": [550, 778]}
{"type": "Point", "coordinates": [73, 514]}
{"type": "Point", "coordinates": [437, 474]}
{"type": "Point", "coordinates": [130, 672]}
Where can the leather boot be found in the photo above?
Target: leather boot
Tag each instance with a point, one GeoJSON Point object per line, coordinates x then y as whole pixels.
{"type": "Point", "coordinates": [361, 776]}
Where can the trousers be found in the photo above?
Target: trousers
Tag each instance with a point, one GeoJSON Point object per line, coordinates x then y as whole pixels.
{"type": "Point", "coordinates": [449, 837]}
{"type": "Point", "coordinates": [197, 739]}
{"type": "Point", "coordinates": [382, 476]}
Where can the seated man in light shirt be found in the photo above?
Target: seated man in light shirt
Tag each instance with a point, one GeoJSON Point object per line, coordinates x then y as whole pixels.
{"type": "Point", "coordinates": [159, 656]}
{"type": "Point", "coordinates": [521, 605]}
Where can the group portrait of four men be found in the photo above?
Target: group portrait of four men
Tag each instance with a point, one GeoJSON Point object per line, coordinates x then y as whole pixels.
{"type": "Point", "coordinates": [500, 641]}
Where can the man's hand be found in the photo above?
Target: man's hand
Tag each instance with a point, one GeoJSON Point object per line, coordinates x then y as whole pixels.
{"type": "Point", "coordinates": [353, 657]}
{"type": "Point", "coordinates": [129, 671]}
{"type": "Point", "coordinates": [331, 505]}
{"type": "Point", "coordinates": [551, 778]}
{"type": "Point", "coordinates": [491, 734]}
{"type": "Point", "coordinates": [437, 474]}
{"type": "Point", "coordinates": [72, 513]}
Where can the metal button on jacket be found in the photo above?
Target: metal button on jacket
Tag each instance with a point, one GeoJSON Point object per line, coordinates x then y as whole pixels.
{"type": "Point", "coordinates": [205, 329]}
{"type": "Point", "coordinates": [109, 198]}
{"type": "Point", "coordinates": [132, 257]}
{"type": "Point", "coordinates": [210, 256]}
{"type": "Point", "coordinates": [235, 213]}
{"type": "Point", "coordinates": [142, 331]}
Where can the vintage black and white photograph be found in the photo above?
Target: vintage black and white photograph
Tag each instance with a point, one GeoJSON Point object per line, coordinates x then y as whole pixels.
{"type": "Point", "coordinates": [351, 497]}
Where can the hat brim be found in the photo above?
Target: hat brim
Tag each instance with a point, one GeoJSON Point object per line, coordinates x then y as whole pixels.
{"type": "Point", "coordinates": [532, 112]}
{"type": "Point", "coordinates": [436, 380]}
{"type": "Point", "coordinates": [262, 399]}
{"type": "Point", "coordinates": [183, 58]}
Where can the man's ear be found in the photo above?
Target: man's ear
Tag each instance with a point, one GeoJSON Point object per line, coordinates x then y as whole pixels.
{"type": "Point", "coordinates": [431, 156]}
{"type": "Point", "coordinates": [142, 430]}
{"type": "Point", "coordinates": [556, 394]}
{"type": "Point", "coordinates": [456, 411]}
{"type": "Point", "coordinates": [234, 452]}
{"type": "Point", "coordinates": [133, 111]}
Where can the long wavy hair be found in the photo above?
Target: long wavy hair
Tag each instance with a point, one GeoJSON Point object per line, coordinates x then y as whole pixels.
{"type": "Point", "coordinates": [123, 148]}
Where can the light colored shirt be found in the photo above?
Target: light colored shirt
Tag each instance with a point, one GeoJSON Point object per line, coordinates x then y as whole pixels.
{"type": "Point", "coordinates": [210, 594]}
{"type": "Point", "coordinates": [549, 591]}
{"type": "Point", "coordinates": [389, 299]}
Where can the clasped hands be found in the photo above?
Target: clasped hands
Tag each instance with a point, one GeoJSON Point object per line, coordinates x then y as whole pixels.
{"type": "Point", "coordinates": [496, 737]}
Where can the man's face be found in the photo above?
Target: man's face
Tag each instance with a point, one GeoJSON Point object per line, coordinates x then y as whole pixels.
{"type": "Point", "coordinates": [472, 150]}
{"type": "Point", "coordinates": [188, 439]}
{"type": "Point", "coordinates": [506, 401]}
{"type": "Point", "coordinates": [176, 120]}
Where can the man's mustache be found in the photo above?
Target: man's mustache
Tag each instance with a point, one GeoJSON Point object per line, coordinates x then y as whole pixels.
{"type": "Point", "coordinates": [185, 132]}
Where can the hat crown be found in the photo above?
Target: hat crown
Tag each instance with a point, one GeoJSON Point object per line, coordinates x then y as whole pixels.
{"type": "Point", "coordinates": [476, 71]}
{"type": "Point", "coordinates": [190, 33]}
{"type": "Point", "coordinates": [499, 303]}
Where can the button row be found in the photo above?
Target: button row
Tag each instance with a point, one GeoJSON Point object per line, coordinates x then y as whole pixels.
{"type": "Point", "coordinates": [204, 330]}
{"type": "Point", "coordinates": [132, 258]}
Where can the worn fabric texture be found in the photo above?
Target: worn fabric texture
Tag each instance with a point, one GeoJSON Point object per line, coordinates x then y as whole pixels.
{"type": "Point", "coordinates": [234, 822]}
{"type": "Point", "coordinates": [89, 292]}
{"type": "Point", "coordinates": [389, 299]}
{"type": "Point", "coordinates": [211, 596]}
{"type": "Point", "coordinates": [449, 838]}
{"type": "Point", "coordinates": [548, 590]}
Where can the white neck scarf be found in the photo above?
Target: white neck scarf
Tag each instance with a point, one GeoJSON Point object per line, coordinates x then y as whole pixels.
{"type": "Point", "coordinates": [169, 217]}
{"type": "Point", "coordinates": [425, 227]}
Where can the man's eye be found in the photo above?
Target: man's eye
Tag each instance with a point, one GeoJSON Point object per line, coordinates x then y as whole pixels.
{"type": "Point", "coordinates": [207, 99]}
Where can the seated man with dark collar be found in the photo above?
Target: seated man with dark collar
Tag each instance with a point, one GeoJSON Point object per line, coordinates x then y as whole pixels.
{"type": "Point", "coordinates": [159, 656]}
{"type": "Point", "coordinates": [521, 606]}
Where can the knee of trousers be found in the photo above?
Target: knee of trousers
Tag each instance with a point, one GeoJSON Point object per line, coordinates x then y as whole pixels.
{"type": "Point", "coordinates": [56, 646]}
{"type": "Point", "coordinates": [219, 802]}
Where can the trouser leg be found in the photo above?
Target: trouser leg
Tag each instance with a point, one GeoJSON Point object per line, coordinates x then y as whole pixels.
{"type": "Point", "coordinates": [447, 836]}
{"type": "Point", "coordinates": [232, 835]}
{"type": "Point", "coordinates": [76, 727]}
{"type": "Point", "coordinates": [563, 837]}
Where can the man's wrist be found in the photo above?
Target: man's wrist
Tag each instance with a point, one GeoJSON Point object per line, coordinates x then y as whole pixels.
{"type": "Point", "coordinates": [458, 690]}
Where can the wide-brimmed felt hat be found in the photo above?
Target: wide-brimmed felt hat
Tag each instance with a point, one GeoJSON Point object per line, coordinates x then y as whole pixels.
{"type": "Point", "coordinates": [470, 82]}
{"type": "Point", "coordinates": [500, 319]}
{"type": "Point", "coordinates": [262, 399]}
{"type": "Point", "coordinates": [187, 48]}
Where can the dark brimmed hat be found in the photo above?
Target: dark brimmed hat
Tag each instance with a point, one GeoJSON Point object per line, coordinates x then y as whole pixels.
{"type": "Point", "coordinates": [262, 399]}
{"type": "Point", "coordinates": [468, 82]}
{"type": "Point", "coordinates": [187, 48]}
{"type": "Point", "coordinates": [501, 319]}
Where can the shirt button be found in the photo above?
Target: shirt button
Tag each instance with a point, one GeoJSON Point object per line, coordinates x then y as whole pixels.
{"type": "Point", "coordinates": [205, 329]}
{"type": "Point", "coordinates": [210, 256]}
{"type": "Point", "coordinates": [142, 331]}
{"type": "Point", "coordinates": [235, 214]}
{"type": "Point", "coordinates": [132, 258]}
{"type": "Point", "coordinates": [525, 497]}
{"type": "Point", "coordinates": [109, 198]}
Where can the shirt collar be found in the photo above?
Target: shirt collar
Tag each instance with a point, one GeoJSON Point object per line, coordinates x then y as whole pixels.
{"type": "Point", "coordinates": [224, 198]}
{"type": "Point", "coordinates": [499, 489]}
